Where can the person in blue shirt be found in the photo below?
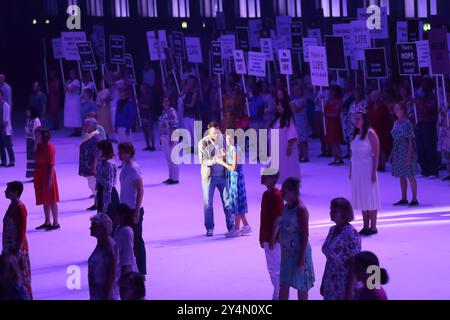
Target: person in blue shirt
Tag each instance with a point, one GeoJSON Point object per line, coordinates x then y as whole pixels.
{"type": "Point", "coordinates": [125, 115]}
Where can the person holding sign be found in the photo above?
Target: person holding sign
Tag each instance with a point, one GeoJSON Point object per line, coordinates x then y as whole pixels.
{"type": "Point", "coordinates": [72, 104]}
{"type": "Point", "coordinates": [288, 146]}
{"type": "Point", "coordinates": [333, 134]}
{"type": "Point", "coordinates": [125, 115]}
{"type": "Point", "coordinates": [404, 156]}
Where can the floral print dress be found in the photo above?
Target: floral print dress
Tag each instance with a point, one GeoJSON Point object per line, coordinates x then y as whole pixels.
{"type": "Point", "coordinates": [15, 242]}
{"type": "Point", "coordinates": [338, 249]}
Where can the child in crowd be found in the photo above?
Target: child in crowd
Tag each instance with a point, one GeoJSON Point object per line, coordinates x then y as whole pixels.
{"type": "Point", "coordinates": [271, 209]}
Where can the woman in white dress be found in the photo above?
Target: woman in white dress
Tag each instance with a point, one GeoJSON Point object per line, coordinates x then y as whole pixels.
{"type": "Point", "coordinates": [72, 104]}
{"type": "Point", "coordinates": [287, 143]}
{"type": "Point", "coordinates": [365, 149]}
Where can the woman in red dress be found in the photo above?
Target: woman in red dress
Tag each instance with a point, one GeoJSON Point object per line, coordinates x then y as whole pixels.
{"type": "Point", "coordinates": [14, 233]}
{"type": "Point", "coordinates": [333, 124]}
{"type": "Point", "coordinates": [380, 120]}
{"type": "Point", "coordinates": [45, 183]}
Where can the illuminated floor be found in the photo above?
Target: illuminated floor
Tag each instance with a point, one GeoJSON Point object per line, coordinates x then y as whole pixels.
{"type": "Point", "coordinates": [183, 264]}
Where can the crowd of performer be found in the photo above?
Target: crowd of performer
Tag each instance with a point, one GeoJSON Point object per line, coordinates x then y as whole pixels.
{"type": "Point", "coordinates": [377, 128]}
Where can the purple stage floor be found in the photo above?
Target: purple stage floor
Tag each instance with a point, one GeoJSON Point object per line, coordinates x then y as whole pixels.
{"type": "Point", "coordinates": [412, 244]}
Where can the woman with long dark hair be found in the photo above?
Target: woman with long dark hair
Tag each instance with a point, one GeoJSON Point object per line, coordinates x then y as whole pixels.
{"type": "Point", "coordinates": [288, 146]}
{"type": "Point", "coordinates": [365, 150]}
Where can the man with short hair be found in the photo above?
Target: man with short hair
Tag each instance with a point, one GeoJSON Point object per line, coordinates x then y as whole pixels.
{"type": "Point", "coordinates": [38, 100]}
{"type": "Point", "coordinates": [213, 176]}
{"type": "Point", "coordinates": [131, 194]}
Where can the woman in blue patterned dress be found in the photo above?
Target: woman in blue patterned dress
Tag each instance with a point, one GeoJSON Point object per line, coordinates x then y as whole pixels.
{"type": "Point", "coordinates": [236, 186]}
{"type": "Point", "coordinates": [296, 270]}
{"type": "Point", "coordinates": [404, 155]}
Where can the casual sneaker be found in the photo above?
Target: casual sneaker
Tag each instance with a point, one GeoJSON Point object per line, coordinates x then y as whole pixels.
{"type": "Point", "coordinates": [51, 228]}
{"type": "Point", "coordinates": [414, 203]}
{"type": "Point", "coordinates": [172, 182]}
{"type": "Point", "coordinates": [92, 208]}
{"type": "Point", "coordinates": [233, 234]}
{"type": "Point", "coordinates": [401, 203]}
{"type": "Point", "coordinates": [246, 230]}
{"type": "Point", "coordinates": [166, 181]}
{"type": "Point", "coordinates": [371, 232]}
{"type": "Point", "coordinates": [44, 226]}
{"type": "Point", "coordinates": [209, 233]}
{"type": "Point", "coordinates": [364, 232]}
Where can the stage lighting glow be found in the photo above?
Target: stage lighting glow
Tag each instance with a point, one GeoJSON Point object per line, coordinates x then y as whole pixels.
{"type": "Point", "coordinates": [184, 24]}
{"type": "Point", "coordinates": [426, 27]}
{"type": "Point", "coordinates": [34, 21]}
{"type": "Point", "coordinates": [47, 21]}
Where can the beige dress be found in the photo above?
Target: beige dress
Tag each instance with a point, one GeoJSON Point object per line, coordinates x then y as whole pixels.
{"type": "Point", "coordinates": [104, 116]}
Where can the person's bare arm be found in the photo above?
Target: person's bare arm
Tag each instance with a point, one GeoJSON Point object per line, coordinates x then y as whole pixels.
{"type": "Point", "coordinates": [303, 220]}
{"type": "Point", "coordinates": [193, 101]}
{"type": "Point", "coordinates": [375, 143]}
{"type": "Point", "coordinates": [50, 177]}
{"type": "Point", "coordinates": [275, 230]}
{"type": "Point", "coordinates": [233, 166]}
{"type": "Point", "coordinates": [139, 184]}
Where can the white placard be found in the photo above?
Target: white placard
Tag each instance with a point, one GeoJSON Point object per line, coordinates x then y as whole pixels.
{"type": "Point", "coordinates": [285, 59]}
{"type": "Point", "coordinates": [69, 44]}
{"type": "Point", "coordinates": [228, 42]}
{"type": "Point", "coordinates": [57, 48]}
{"type": "Point", "coordinates": [154, 47]}
{"type": "Point", "coordinates": [318, 66]}
{"type": "Point", "coordinates": [423, 53]}
{"type": "Point", "coordinates": [315, 33]}
{"type": "Point", "coordinates": [267, 48]}
{"type": "Point", "coordinates": [361, 39]}
{"type": "Point", "coordinates": [383, 32]}
{"type": "Point", "coordinates": [308, 42]}
{"type": "Point", "coordinates": [283, 26]}
{"type": "Point", "coordinates": [344, 30]}
{"type": "Point", "coordinates": [162, 36]}
{"type": "Point", "coordinates": [239, 62]}
{"type": "Point", "coordinates": [193, 49]}
{"type": "Point", "coordinates": [254, 32]}
{"type": "Point", "coordinates": [402, 31]}
{"type": "Point", "coordinates": [256, 64]}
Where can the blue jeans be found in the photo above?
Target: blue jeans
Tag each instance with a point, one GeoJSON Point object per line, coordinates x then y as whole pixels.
{"type": "Point", "coordinates": [208, 187]}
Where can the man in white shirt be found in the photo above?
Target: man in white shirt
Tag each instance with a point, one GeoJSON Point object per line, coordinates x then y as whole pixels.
{"type": "Point", "coordinates": [6, 89]}
{"type": "Point", "coordinates": [5, 133]}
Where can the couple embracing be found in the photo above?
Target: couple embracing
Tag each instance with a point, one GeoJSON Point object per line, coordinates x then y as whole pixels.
{"type": "Point", "coordinates": [221, 169]}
